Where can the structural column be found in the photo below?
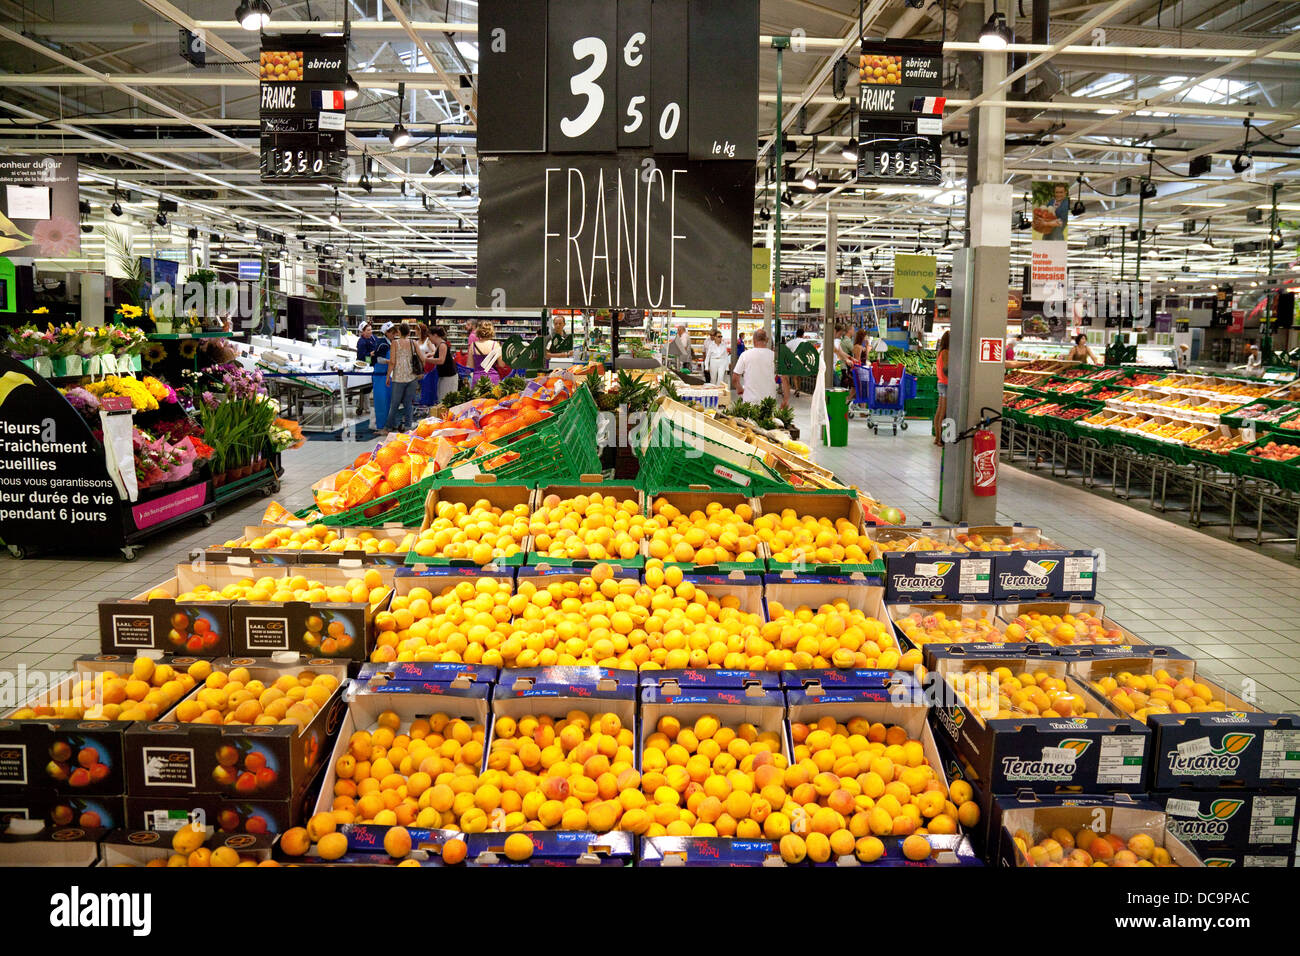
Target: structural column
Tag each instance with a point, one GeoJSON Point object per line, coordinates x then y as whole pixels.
{"type": "Point", "coordinates": [828, 299]}
{"type": "Point", "coordinates": [979, 301]}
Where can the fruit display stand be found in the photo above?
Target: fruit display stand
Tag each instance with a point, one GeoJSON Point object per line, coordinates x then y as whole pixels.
{"type": "Point", "coordinates": [560, 501]}
{"type": "Point", "coordinates": [491, 502]}
{"type": "Point", "coordinates": [836, 508]}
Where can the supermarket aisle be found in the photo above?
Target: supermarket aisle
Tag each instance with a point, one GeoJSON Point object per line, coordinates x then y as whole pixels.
{"type": "Point", "coordinates": [1168, 583]}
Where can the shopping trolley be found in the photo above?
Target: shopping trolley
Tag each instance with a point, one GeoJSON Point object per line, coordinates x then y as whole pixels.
{"type": "Point", "coordinates": [883, 390]}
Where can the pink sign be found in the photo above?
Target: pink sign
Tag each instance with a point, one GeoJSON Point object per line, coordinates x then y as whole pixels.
{"type": "Point", "coordinates": [150, 513]}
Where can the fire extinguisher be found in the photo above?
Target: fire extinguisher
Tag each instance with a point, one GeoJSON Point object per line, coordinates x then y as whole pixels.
{"type": "Point", "coordinates": [984, 463]}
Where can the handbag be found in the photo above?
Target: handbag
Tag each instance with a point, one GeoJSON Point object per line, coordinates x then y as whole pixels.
{"type": "Point", "coordinates": [417, 365]}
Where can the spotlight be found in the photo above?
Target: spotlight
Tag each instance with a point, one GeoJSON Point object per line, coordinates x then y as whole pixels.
{"type": "Point", "coordinates": [1276, 236]}
{"type": "Point", "coordinates": [350, 90]}
{"type": "Point", "coordinates": [437, 169]}
{"type": "Point", "coordinates": [850, 151]}
{"type": "Point", "coordinates": [765, 214]}
{"type": "Point", "coordinates": [994, 35]}
{"type": "Point", "coordinates": [811, 179]}
{"type": "Point", "coordinates": [161, 219]}
{"type": "Point", "coordinates": [1078, 208]}
{"type": "Point", "coordinates": [116, 208]}
{"type": "Point", "coordinates": [399, 136]}
{"type": "Point", "coordinates": [87, 227]}
{"type": "Point", "coordinates": [1232, 261]}
{"type": "Point", "coordinates": [253, 14]}
{"type": "Point", "coordinates": [1241, 162]}
{"type": "Point", "coordinates": [1148, 189]}
{"type": "Point", "coordinates": [464, 192]}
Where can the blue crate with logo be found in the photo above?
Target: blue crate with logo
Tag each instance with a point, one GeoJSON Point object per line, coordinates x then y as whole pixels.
{"type": "Point", "coordinates": [688, 679]}
{"type": "Point", "coordinates": [668, 851]}
{"type": "Point", "coordinates": [557, 848]}
{"type": "Point", "coordinates": [1095, 749]}
{"type": "Point", "coordinates": [429, 672]}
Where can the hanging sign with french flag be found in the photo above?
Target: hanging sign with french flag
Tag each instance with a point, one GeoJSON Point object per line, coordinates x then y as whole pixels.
{"type": "Point", "coordinates": [900, 112]}
{"type": "Point", "coordinates": [303, 109]}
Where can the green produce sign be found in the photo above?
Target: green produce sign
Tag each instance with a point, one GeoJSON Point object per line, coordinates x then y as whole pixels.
{"type": "Point", "coordinates": [914, 276]}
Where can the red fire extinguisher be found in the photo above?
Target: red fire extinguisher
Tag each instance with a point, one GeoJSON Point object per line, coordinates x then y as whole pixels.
{"type": "Point", "coordinates": [984, 463]}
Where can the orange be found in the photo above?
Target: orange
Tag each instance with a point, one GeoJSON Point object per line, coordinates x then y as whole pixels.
{"type": "Point", "coordinates": [399, 476]}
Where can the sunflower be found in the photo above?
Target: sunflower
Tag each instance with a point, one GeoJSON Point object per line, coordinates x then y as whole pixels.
{"type": "Point", "coordinates": [189, 348]}
{"type": "Point", "coordinates": [154, 353]}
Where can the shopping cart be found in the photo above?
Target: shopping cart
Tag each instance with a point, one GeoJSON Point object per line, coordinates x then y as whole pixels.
{"type": "Point", "coordinates": [883, 390]}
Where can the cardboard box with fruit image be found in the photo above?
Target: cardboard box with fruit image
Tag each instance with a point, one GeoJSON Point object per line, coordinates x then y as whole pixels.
{"type": "Point", "coordinates": [455, 673]}
{"type": "Point", "coordinates": [254, 731]}
{"type": "Point", "coordinates": [69, 738]}
{"type": "Point", "coordinates": [171, 616]}
{"type": "Point", "coordinates": [1203, 735]}
{"type": "Point", "coordinates": [1044, 831]}
{"type": "Point", "coordinates": [88, 811]}
{"type": "Point", "coordinates": [1028, 723]}
{"type": "Point", "coordinates": [320, 611]}
{"type": "Point", "coordinates": [1235, 822]}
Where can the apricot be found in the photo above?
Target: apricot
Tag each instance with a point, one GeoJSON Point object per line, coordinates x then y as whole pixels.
{"type": "Point", "coordinates": [332, 846]}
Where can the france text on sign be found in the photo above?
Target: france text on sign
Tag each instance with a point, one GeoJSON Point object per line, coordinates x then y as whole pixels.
{"type": "Point", "coordinates": [615, 231]}
{"type": "Point", "coordinates": [991, 350]}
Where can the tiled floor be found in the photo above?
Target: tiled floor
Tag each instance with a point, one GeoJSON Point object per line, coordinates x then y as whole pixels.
{"type": "Point", "coordinates": [1235, 610]}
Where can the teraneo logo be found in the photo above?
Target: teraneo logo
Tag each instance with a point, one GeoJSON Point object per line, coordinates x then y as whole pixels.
{"type": "Point", "coordinates": [1220, 760]}
{"type": "Point", "coordinates": [1207, 826]}
{"type": "Point", "coordinates": [1018, 769]}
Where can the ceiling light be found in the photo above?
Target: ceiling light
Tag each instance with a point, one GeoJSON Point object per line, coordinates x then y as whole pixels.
{"type": "Point", "coordinates": [464, 192]}
{"type": "Point", "coordinates": [1276, 236]}
{"type": "Point", "coordinates": [1232, 261]}
{"type": "Point", "coordinates": [116, 208]}
{"type": "Point", "coordinates": [350, 89]}
{"type": "Point", "coordinates": [850, 151]}
{"type": "Point", "coordinates": [399, 136]}
{"type": "Point", "coordinates": [1241, 162]}
{"type": "Point", "coordinates": [765, 214]}
{"type": "Point", "coordinates": [1078, 208]}
{"type": "Point", "coordinates": [994, 35]}
{"type": "Point", "coordinates": [161, 219]}
{"type": "Point", "coordinates": [253, 14]}
{"type": "Point", "coordinates": [811, 179]}
{"type": "Point", "coordinates": [437, 169]}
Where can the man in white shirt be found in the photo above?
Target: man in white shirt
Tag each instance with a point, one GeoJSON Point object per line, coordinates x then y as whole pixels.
{"type": "Point", "coordinates": [754, 375]}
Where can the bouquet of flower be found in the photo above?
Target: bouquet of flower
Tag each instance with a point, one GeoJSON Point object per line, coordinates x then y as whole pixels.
{"type": "Point", "coordinates": [160, 390]}
{"type": "Point", "coordinates": [127, 340]}
{"type": "Point", "coordinates": [86, 404]}
{"type": "Point", "coordinates": [284, 434]}
{"type": "Point", "coordinates": [158, 461]}
{"type": "Point", "coordinates": [141, 399]}
{"type": "Point", "coordinates": [65, 340]}
{"type": "Point", "coordinates": [204, 452]}
{"type": "Point", "coordinates": [27, 342]}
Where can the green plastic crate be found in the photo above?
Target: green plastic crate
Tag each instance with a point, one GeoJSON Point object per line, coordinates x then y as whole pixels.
{"type": "Point", "coordinates": [395, 507]}
{"type": "Point", "coordinates": [672, 456]}
{"type": "Point", "coordinates": [1284, 474]}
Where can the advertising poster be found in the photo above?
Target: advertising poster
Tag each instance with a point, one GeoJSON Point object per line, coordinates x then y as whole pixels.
{"type": "Point", "coordinates": [38, 207]}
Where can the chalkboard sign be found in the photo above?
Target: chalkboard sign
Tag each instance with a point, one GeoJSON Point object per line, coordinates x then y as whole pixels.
{"type": "Point", "coordinates": [54, 483]}
{"type": "Point", "coordinates": [648, 124]}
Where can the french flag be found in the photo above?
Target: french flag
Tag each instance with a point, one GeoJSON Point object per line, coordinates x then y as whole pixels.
{"type": "Point", "coordinates": [329, 99]}
{"type": "Point", "coordinates": [930, 105]}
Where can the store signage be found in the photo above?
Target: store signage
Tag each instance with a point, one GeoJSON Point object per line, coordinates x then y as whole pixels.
{"type": "Point", "coordinates": [762, 278]}
{"type": "Point", "coordinates": [250, 270]}
{"type": "Point", "coordinates": [38, 207]}
{"type": "Point", "coordinates": [817, 294]}
{"type": "Point", "coordinates": [900, 112]}
{"type": "Point", "coordinates": [303, 109]}
{"type": "Point", "coordinates": [618, 142]}
{"type": "Point", "coordinates": [1238, 321]}
{"type": "Point", "coordinates": [991, 351]}
{"type": "Point", "coordinates": [54, 485]}
{"type": "Point", "coordinates": [914, 276]}
{"type": "Point", "coordinates": [1047, 271]}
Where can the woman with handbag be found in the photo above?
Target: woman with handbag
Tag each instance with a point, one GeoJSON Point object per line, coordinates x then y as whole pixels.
{"type": "Point", "coordinates": [405, 367]}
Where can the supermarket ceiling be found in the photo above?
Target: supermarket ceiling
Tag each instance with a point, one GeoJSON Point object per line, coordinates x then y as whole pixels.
{"type": "Point", "coordinates": [1118, 89]}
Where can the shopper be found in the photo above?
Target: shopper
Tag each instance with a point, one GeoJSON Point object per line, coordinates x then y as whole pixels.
{"type": "Point", "coordinates": [941, 373]}
{"type": "Point", "coordinates": [405, 366]}
{"type": "Point", "coordinates": [1254, 361]}
{"type": "Point", "coordinates": [716, 358]}
{"type": "Point", "coordinates": [444, 363]}
{"type": "Point", "coordinates": [380, 388]}
{"type": "Point", "coordinates": [740, 344]}
{"type": "Point", "coordinates": [366, 342]}
{"type": "Point", "coordinates": [754, 376]}
{"type": "Point", "coordinates": [844, 353]}
{"type": "Point", "coordinates": [1182, 357]}
{"type": "Point", "coordinates": [1081, 352]}
{"type": "Point", "coordinates": [678, 353]}
{"type": "Point", "coordinates": [429, 380]}
{"type": "Point", "coordinates": [560, 344]}
{"type": "Point", "coordinates": [861, 347]}
{"type": "Point", "coordinates": [485, 353]}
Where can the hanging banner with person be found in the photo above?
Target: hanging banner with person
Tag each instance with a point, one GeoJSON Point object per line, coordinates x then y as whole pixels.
{"type": "Point", "coordinates": [1047, 263]}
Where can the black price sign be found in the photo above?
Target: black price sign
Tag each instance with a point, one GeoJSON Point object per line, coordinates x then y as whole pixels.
{"type": "Point", "coordinates": [612, 99]}
{"type": "Point", "coordinates": [891, 150]}
{"type": "Point", "coordinates": [303, 109]}
{"type": "Point", "coordinates": [900, 112]}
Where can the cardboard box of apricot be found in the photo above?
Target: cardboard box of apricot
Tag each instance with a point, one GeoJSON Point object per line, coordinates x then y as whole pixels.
{"type": "Point", "coordinates": [156, 620]}
{"type": "Point", "coordinates": [1204, 736]}
{"type": "Point", "coordinates": [319, 625]}
{"type": "Point", "coordinates": [68, 738]}
{"type": "Point", "coordinates": [262, 740]}
{"type": "Point", "coordinates": [1045, 831]}
{"type": "Point", "coordinates": [1028, 723]}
